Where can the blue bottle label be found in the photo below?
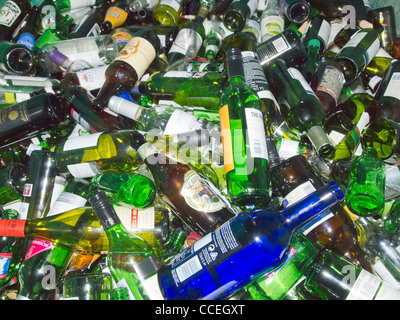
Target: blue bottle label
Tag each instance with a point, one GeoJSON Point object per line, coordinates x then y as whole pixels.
{"type": "Point", "coordinates": [5, 259]}
{"type": "Point", "coordinates": [208, 252]}
{"type": "Point", "coordinates": [27, 40]}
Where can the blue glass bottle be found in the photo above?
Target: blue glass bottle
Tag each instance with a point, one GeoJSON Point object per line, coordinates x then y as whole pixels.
{"type": "Point", "coordinates": [251, 243]}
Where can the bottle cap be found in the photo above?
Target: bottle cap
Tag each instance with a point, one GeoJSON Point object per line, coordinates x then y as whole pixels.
{"type": "Point", "coordinates": [314, 43]}
{"type": "Point", "coordinates": [104, 210]}
{"type": "Point", "coordinates": [234, 62]}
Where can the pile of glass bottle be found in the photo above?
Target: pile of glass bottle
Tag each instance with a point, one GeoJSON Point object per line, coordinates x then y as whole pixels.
{"type": "Point", "coordinates": [179, 120]}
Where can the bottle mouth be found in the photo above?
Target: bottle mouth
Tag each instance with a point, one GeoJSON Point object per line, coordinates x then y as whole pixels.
{"type": "Point", "coordinates": [20, 60]}
{"type": "Point", "coordinates": [234, 21]}
{"type": "Point", "coordinates": [299, 12]}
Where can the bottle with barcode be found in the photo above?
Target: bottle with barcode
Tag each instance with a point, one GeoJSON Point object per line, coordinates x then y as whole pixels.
{"type": "Point", "coordinates": [131, 260]}
{"type": "Point", "coordinates": [255, 241]}
{"type": "Point", "coordinates": [358, 53]}
{"type": "Point", "coordinates": [388, 94]}
{"type": "Point", "coordinates": [243, 137]}
{"type": "Point", "coordinates": [300, 107]}
{"type": "Point", "coordinates": [286, 45]}
{"type": "Point", "coordinates": [334, 278]}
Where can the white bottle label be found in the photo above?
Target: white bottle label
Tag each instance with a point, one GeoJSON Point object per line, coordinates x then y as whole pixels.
{"type": "Point", "coordinates": [256, 133]}
{"type": "Point", "coordinates": [392, 89]}
{"type": "Point", "coordinates": [324, 31]}
{"type": "Point", "coordinates": [84, 170]}
{"type": "Point", "coordinates": [82, 142]}
{"type": "Point", "coordinates": [335, 137]}
{"type": "Point", "coordinates": [181, 122]}
{"type": "Point", "coordinates": [65, 202]}
{"type": "Point", "coordinates": [9, 13]}
{"type": "Point", "coordinates": [152, 288]}
{"type": "Point", "coordinates": [175, 4]}
{"type": "Point", "coordinates": [385, 274]}
{"type": "Point", "coordinates": [298, 193]}
{"type": "Point", "coordinates": [92, 79]}
{"type": "Point", "coordinates": [135, 219]}
{"type": "Point", "coordinates": [187, 42]}
{"type": "Point", "coordinates": [271, 26]}
{"type": "Point", "coordinates": [296, 74]}
{"type": "Point", "coordinates": [81, 3]}
{"type": "Point", "coordinates": [288, 148]}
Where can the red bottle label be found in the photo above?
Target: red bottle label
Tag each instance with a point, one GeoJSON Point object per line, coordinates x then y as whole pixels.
{"type": "Point", "coordinates": [12, 228]}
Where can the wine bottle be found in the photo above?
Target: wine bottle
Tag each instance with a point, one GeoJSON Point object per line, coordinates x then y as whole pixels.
{"type": "Point", "coordinates": [137, 5]}
{"type": "Point", "coordinates": [297, 11]}
{"type": "Point", "coordinates": [272, 21]}
{"type": "Point", "coordinates": [237, 14]}
{"type": "Point", "coordinates": [125, 70]}
{"type": "Point", "coordinates": [13, 12]}
{"type": "Point", "coordinates": [16, 59]}
{"type": "Point", "coordinates": [168, 12]}
{"type": "Point", "coordinates": [189, 39]}
{"type": "Point", "coordinates": [253, 254]}
{"type": "Point", "coordinates": [302, 110]}
{"type": "Point", "coordinates": [116, 15]}
{"type": "Point", "coordinates": [131, 189]}
{"type": "Point", "coordinates": [387, 95]}
{"type": "Point", "coordinates": [340, 8]}
{"type": "Point", "coordinates": [358, 53]}
{"type": "Point", "coordinates": [67, 5]}
{"type": "Point", "coordinates": [383, 136]}
{"type": "Point", "coordinates": [319, 29]}
{"type": "Point", "coordinates": [309, 68]}
{"type": "Point", "coordinates": [386, 17]}
{"type": "Point", "coordinates": [194, 200]}
{"type": "Point", "coordinates": [89, 155]}
{"type": "Point", "coordinates": [334, 278]}
{"type": "Point", "coordinates": [13, 178]}
{"type": "Point", "coordinates": [89, 25]}
{"type": "Point", "coordinates": [365, 195]}
{"type": "Point", "coordinates": [192, 89]}
{"type": "Point", "coordinates": [29, 117]}
{"type": "Point", "coordinates": [29, 33]}
{"type": "Point", "coordinates": [243, 138]}
{"type": "Point", "coordinates": [131, 260]}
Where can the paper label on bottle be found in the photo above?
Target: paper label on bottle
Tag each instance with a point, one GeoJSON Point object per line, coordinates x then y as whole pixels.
{"type": "Point", "coordinates": [12, 228]}
{"type": "Point", "coordinates": [332, 82]}
{"type": "Point", "coordinates": [181, 122]}
{"type": "Point", "coordinates": [28, 187]}
{"type": "Point", "coordinates": [374, 82]}
{"type": "Point", "coordinates": [66, 201]}
{"type": "Point", "coordinates": [84, 170]}
{"type": "Point", "coordinates": [139, 53]}
{"type": "Point", "coordinates": [207, 252]}
{"type": "Point", "coordinates": [174, 4]}
{"type": "Point", "coordinates": [271, 26]}
{"type": "Point", "coordinates": [392, 182]}
{"type": "Point", "coordinates": [372, 51]}
{"type": "Point", "coordinates": [116, 16]}
{"type": "Point", "coordinates": [296, 74]}
{"type": "Point", "coordinates": [81, 3]}
{"type": "Point", "coordinates": [188, 42]}
{"type": "Point", "coordinates": [152, 288]}
{"type": "Point", "coordinates": [146, 150]}
{"type": "Point", "coordinates": [37, 246]}
{"type": "Point", "coordinates": [356, 39]}
{"type": "Point", "coordinates": [15, 116]}
{"type": "Point", "coordinates": [135, 219]}
{"type": "Point", "coordinates": [336, 26]}
{"type": "Point", "coordinates": [335, 137]}
{"type": "Point", "coordinates": [81, 142]}
{"type": "Point", "coordinates": [9, 13]}
{"type": "Point", "coordinates": [5, 260]}
{"type": "Point", "coordinates": [226, 137]}
{"type": "Point", "coordinates": [392, 89]}
{"type": "Point", "coordinates": [92, 79]}
{"type": "Point", "coordinates": [256, 133]}
{"type": "Point", "coordinates": [199, 195]}
{"type": "Point", "coordinates": [324, 31]}
{"type": "Point", "coordinates": [369, 287]}
{"type": "Point", "coordinates": [385, 274]}
{"type": "Point", "coordinates": [298, 193]}
{"type": "Point", "coordinates": [288, 148]}
{"type": "Point", "coordinates": [88, 51]}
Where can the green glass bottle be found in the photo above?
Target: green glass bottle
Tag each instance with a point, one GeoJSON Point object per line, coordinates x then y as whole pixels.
{"type": "Point", "coordinates": [309, 68]}
{"type": "Point", "coordinates": [383, 135]}
{"type": "Point", "coordinates": [192, 89]}
{"type": "Point", "coordinates": [168, 12]}
{"type": "Point", "coordinates": [319, 29]}
{"type": "Point", "coordinates": [334, 278]}
{"type": "Point", "coordinates": [119, 293]}
{"type": "Point", "coordinates": [243, 138]}
{"type": "Point", "coordinates": [60, 32]}
{"type": "Point", "coordinates": [299, 262]}
{"type": "Point", "coordinates": [12, 182]}
{"type": "Point", "coordinates": [388, 95]}
{"type": "Point", "coordinates": [129, 188]}
{"type": "Point", "coordinates": [89, 155]}
{"type": "Point", "coordinates": [358, 53]}
{"type": "Point", "coordinates": [131, 260]}
{"type": "Point", "coordinates": [301, 109]}
{"type": "Point", "coordinates": [365, 194]}
{"type": "Point", "coordinates": [237, 14]}
{"type": "Point", "coordinates": [67, 5]}
{"type": "Point", "coordinates": [297, 11]}
{"type": "Point", "coordinates": [334, 8]}
{"type": "Point", "coordinates": [189, 39]}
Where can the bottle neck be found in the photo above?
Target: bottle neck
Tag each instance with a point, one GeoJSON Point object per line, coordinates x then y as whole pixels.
{"type": "Point", "coordinates": [303, 211]}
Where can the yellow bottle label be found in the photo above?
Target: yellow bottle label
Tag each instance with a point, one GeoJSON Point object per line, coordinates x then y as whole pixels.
{"type": "Point", "coordinates": [10, 97]}
{"type": "Point", "coordinates": [226, 138]}
{"type": "Point", "coordinates": [116, 16]}
{"type": "Point", "coordinates": [139, 53]}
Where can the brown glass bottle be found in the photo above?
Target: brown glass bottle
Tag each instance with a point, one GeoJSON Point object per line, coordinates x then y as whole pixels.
{"type": "Point", "coordinates": [191, 198]}
{"type": "Point", "coordinates": [294, 179]}
{"type": "Point", "coordinates": [130, 65]}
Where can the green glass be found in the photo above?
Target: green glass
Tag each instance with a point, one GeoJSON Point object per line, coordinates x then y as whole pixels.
{"type": "Point", "coordinates": [167, 13]}
{"type": "Point", "coordinates": [130, 188]}
{"type": "Point", "coordinates": [334, 278]}
{"type": "Point", "coordinates": [59, 33]}
{"type": "Point", "coordinates": [89, 155]}
{"type": "Point", "coordinates": [358, 53]}
{"type": "Point", "coordinates": [119, 293]}
{"type": "Point", "coordinates": [309, 68]}
{"type": "Point", "coordinates": [297, 11]}
{"type": "Point", "coordinates": [300, 107]}
{"type": "Point", "coordinates": [237, 14]}
{"type": "Point", "coordinates": [243, 138]}
{"type": "Point", "coordinates": [318, 29]}
{"type": "Point", "coordinates": [383, 135]}
{"type": "Point", "coordinates": [12, 182]}
{"type": "Point", "coordinates": [391, 220]}
{"type": "Point", "coordinates": [345, 126]}
{"type": "Point", "coordinates": [276, 284]}
{"type": "Point", "coordinates": [131, 260]}
{"type": "Point", "coordinates": [92, 286]}
{"type": "Point", "coordinates": [388, 94]}
{"type": "Point", "coordinates": [192, 89]}
{"type": "Point", "coordinates": [375, 71]}
{"type": "Point", "coordinates": [365, 194]}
